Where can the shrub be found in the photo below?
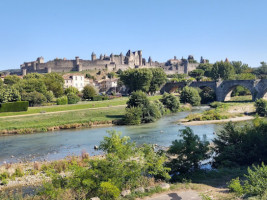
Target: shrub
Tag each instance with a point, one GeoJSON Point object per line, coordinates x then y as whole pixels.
{"type": "Point", "coordinates": [133, 116]}
{"type": "Point", "coordinates": [256, 183]}
{"type": "Point", "coordinates": [34, 98]}
{"type": "Point", "coordinates": [14, 106]}
{"type": "Point", "coordinates": [216, 104]}
{"type": "Point", "coordinates": [207, 95]}
{"type": "Point", "coordinates": [73, 98]}
{"type": "Point", "coordinates": [236, 187]}
{"type": "Point", "coordinates": [240, 145]}
{"type": "Point", "coordinates": [62, 100]}
{"type": "Point", "coordinates": [150, 113]}
{"type": "Point", "coordinates": [88, 92]}
{"type": "Point", "coordinates": [49, 96]}
{"type": "Point", "coordinates": [170, 102]}
{"type": "Point", "coordinates": [261, 107]}
{"type": "Point", "coordinates": [190, 151]}
{"type": "Point", "coordinates": [138, 99]}
{"type": "Point", "coordinates": [190, 95]}
{"type": "Point", "coordinates": [99, 98]}
{"type": "Point", "coordinates": [71, 90]}
{"type": "Point", "coordinates": [108, 191]}
{"type": "Point", "coordinates": [160, 106]}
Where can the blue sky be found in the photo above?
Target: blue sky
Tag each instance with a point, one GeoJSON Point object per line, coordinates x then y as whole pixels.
{"type": "Point", "coordinates": [236, 29]}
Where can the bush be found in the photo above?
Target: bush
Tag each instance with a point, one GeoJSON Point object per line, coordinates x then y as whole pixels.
{"type": "Point", "coordinates": [207, 95]}
{"type": "Point", "coordinates": [62, 100]}
{"type": "Point", "coordinates": [170, 102]}
{"type": "Point", "coordinates": [49, 96]}
{"type": "Point", "coordinates": [236, 187]}
{"type": "Point", "coordinates": [71, 90]}
{"type": "Point", "coordinates": [256, 183]}
{"type": "Point", "coordinates": [240, 145]}
{"type": "Point", "coordinates": [190, 95]}
{"type": "Point", "coordinates": [216, 104]}
{"type": "Point", "coordinates": [160, 106]}
{"type": "Point", "coordinates": [150, 113]}
{"type": "Point", "coordinates": [190, 151]}
{"type": "Point", "coordinates": [261, 107]}
{"type": "Point", "coordinates": [34, 98]}
{"type": "Point", "coordinates": [108, 191]}
{"type": "Point", "coordinates": [138, 99]}
{"type": "Point", "coordinates": [133, 116]}
{"type": "Point", "coordinates": [73, 98]}
{"type": "Point", "coordinates": [88, 92]}
{"type": "Point", "coordinates": [14, 106]}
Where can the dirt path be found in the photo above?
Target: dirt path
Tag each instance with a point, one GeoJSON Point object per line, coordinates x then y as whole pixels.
{"type": "Point", "coordinates": [176, 195]}
{"type": "Point", "coordinates": [64, 111]}
{"type": "Point", "coordinates": [236, 119]}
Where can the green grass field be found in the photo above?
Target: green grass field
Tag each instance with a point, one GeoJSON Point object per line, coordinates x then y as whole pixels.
{"type": "Point", "coordinates": [80, 105]}
{"type": "Point", "coordinates": [74, 114]}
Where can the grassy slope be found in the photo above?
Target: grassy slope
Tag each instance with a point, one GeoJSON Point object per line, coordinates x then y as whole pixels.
{"type": "Point", "coordinates": [81, 105]}
{"type": "Point", "coordinates": [75, 115]}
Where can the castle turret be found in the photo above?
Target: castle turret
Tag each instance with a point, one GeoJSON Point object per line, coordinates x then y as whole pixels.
{"type": "Point", "coordinates": [40, 60]}
{"type": "Point", "coordinates": [93, 56]}
{"type": "Point", "coordinates": [111, 57]}
{"type": "Point", "coordinates": [77, 59]}
{"type": "Point", "coordinates": [121, 59]}
{"type": "Point", "coordinates": [150, 61]}
{"type": "Point", "coordinates": [24, 72]}
{"type": "Point", "coordinates": [140, 57]}
{"type": "Point", "coordinates": [101, 57]}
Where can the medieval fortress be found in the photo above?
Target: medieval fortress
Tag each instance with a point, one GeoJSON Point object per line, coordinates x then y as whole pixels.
{"type": "Point", "coordinates": [110, 63]}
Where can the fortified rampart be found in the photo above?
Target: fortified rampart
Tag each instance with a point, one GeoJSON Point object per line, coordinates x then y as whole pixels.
{"type": "Point", "coordinates": [109, 63]}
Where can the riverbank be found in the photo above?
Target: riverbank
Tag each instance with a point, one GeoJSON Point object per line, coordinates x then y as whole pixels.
{"type": "Point", "coordinates": [226, 112]}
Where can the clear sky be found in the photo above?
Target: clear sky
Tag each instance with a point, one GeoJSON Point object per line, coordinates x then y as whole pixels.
{"type": "Point", "coordinates": [236, 29]}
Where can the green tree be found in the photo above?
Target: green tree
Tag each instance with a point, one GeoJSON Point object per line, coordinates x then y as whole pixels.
{"type": "Point", "coordinates": [49, 96]}
{"type": "Point", "coordinates": [108, 191]}
{"type": "Point", "coordinates": [12, 79]}
{"type": "Point", "coordinates": [138, 99]}
{"type": "Point", "coordinates": [206, 67]}
{"type": "Point", "coordinates": [54, 82]}
{"type": "Point", "coordinates": [71, 89]}
{"type": "Point", "coordinates": [245, 76]}
{"type": "Point", "coordinates": [261, 107]}
{"type": "Point", "coordinates": [9, 94]}
{"type": "Point", "coordinates": [137, 79]}
{"type": "Point", "coordinates": [34, 98]}
{"type": "Point", "coordinates": [222, 70]}
{"type": "Point", "coordinates": [197, 74]}
{"type": "Point", "coordinates": [88, 92]}
{"type": "Point", "coordinates": [207, 95]}
{"type": "Point", "coordinates": [158, 78]}
{"type": "Point", "coordinates": [170, 102]}
{"type": "Point", "coordinates": [240, 67]}
{"type": "Point", "coordinates": [261, 71]}
{"type": "Point", "coordinates": [33, 76]}
{"type": "Point", "coordinates": [73, 98]}
{"type": "Point", "coordinates": [133, 116]}
{"type": "Point", "coordinates": [31, 85]}
{"type": "Point", "coordinates": [190, 95]}
{"type": "Point", "coordinates": [190, 151]}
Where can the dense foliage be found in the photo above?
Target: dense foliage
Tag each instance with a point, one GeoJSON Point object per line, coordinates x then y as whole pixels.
{"type": "Point", "coordinates": [62, 100]}
{"type": "Point", "coordinates": [88, 92]}
{"type": "Point", "coordinates": [261, 107]}
{"type": "Point", "coordinates": [146, 80]}
{"type": "Point", "coordinates": [189, 152]}
{"type": "Point", "coordinates": [125, 166]}
{"type": "Point", "coordinates": [170, 102]}
{"type": "Point", "coordinates": [14, 106]}
{"type": "Point", "coordinates": [190, 95]}
{"type": "Point", "coordinates": [73, 98]}
{"type": "Point", "coordinates": [237, 146]}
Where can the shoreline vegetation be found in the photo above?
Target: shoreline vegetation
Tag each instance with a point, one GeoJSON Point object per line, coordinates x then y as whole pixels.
{"type": "Point", "coordinates": [107, 113]}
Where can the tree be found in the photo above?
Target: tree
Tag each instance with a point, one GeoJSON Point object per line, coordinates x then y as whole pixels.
{"type": "Point", "coordinates": [170, 102]}
{"type": "Point", "coordinates": [137, 79]}
{"type": "Point", "coordinates": [1, 83]}
{"type": "Point", "coordinates": [71, 90]}
{"type": "Point", "coordinates": [222, 70]}
{"type": "Point", "coordinates": [240, 67]}
{"type": "Point", "coordinates": [190, 95]}
{"type": "Point", "coordinates": [261, 107]}
{"type": "Point", "coordinates": [88, 92]}
{"type": "Point", "coordinates": [206, 67]}
{"type": "Point", "coordinates": [9, 94]}
{"type": "Point", "coordinates": [31, 85]}
{"type": "Point", "coordinates": [133, 116]}
{"type": "Point", "coordinates": [11, 80]}
{"type": "Point", "coordinates": [207, 95]}
{"type": "Point", "coordinates": [54, 82]}
{"type": "Point", "coordinates": [190, 151]}
{"type": "Point", "coordinates": [158, 78]}
{"type": "Point", "coordinates": [138, 99]}
{"type": "Point", "coordinates": [261, 71]}
{"type": "Point", "coordinates": [197, 74]}
{"type": "Point", "coordinates": [245, 76]}
{"type": "Point", "coordinates": [73, 98]}
{"type": "Point", "coordinates": [49, 96]}
{"type": "Point", "coordinates": [34, 98]}
{"type": "Point", "coordinates": [33, 76]}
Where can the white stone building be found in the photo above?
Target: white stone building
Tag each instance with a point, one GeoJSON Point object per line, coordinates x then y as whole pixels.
{"type": "Point", "coordinates": [75, 80]}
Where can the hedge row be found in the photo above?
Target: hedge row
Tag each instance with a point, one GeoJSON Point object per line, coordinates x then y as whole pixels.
{"type": "Point", "coordinates": [14, 106]}
{"type": "Point", "coordinates": [99, 98]}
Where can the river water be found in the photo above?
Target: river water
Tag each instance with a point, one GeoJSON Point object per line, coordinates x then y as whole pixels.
{"type": "Point", "coordinates": [59, 144]}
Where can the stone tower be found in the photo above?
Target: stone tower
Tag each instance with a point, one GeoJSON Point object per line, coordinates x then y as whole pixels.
{"type": "Point", "coordinates": [93, 56]}
{"type": "Point", "coordinates": [140, 57]}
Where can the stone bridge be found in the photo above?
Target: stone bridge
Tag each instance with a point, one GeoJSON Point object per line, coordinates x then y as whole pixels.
{"type": "Point", "coordinates": [223, 89]}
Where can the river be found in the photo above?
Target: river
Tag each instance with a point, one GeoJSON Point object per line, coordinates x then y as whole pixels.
{"type": "Point", "coordinates": [59, 144]}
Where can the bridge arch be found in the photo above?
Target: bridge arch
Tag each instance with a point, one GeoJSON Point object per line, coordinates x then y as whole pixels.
{"type": "Point", "coordinates": [226, 88]}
